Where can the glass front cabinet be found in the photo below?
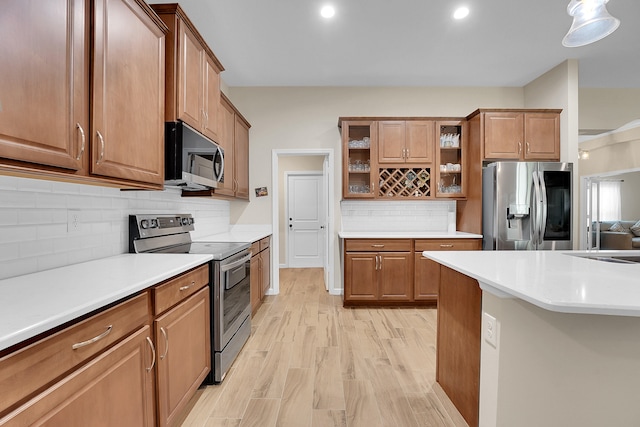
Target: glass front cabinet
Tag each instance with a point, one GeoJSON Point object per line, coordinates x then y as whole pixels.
{"type": "Point", "coordinates": [450, 159]}
{"type": "Point", "coordinates": [359, 159]}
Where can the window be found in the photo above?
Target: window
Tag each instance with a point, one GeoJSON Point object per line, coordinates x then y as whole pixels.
{"type": "Point", "coordinates": [609, 208]}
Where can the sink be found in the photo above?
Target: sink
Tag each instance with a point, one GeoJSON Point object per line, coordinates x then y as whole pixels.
{"type": "Point", "coordinates": [619, 259]}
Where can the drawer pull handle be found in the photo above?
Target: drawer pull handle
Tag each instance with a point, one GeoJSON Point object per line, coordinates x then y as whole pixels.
{"type": "Point", "coordinates": [92, 340]}
{"type": "Point", "coordinates": [446, 246]}
{"type": "Point", "coordinates": [184, 288]}
{"type": "Point", "coordinates": [166, 340]}
{"type": "Point", "coordinates": [377, 246]}
{"type": "Point", "coordinates": [153, 352]}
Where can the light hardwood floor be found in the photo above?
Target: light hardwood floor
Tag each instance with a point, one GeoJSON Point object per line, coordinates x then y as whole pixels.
{"type": "Point", "coordinates": [311, 362]}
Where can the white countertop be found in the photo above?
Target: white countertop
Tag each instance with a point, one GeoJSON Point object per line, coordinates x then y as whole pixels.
{"type": "Point", "coordinates": [407, 235]}
{"type": "Point", "coordinates": [37, 302]}
{"type": "Point", "coordinates": [553, 280]}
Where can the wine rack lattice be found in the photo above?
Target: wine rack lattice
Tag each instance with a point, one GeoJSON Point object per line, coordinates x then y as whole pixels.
{"type": "Point", "coordinates": [405, 182]}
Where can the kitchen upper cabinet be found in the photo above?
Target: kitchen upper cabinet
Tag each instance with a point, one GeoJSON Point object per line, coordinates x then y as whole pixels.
{"type": "Point", "coordinates": [519, 134]}
{"type": "Point", "coordinates": [451, 158]}
{"type": "Point", "coordinates": [226, 127]}
{"type": "Point", "coordinates": [241, 154]}
{"type": "Point", "coordinates": [193, 74]}
{"type": "Point", "coordinates": [44, 89]}
{"type": "Point", "coordinates": [127, 136]}
{"type": "Point", "coordinates": [359, 166]}
{"type": "Point", "coordinates": [51, 56]}
{"type": "Point", "coordinates": [410, 141]}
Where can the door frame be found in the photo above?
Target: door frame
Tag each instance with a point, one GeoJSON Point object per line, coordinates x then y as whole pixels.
{"type": "Point", "coordinates": [329, 175]}
{"type": "Point", "coordinates": [287, 175]}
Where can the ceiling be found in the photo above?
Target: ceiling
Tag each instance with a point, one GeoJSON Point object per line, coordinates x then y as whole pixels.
{"type": "Point", "coordinates": [409, 42]}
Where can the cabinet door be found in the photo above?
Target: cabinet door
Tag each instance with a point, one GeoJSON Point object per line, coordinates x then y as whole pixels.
{"type": "Point", "coordinates": [190, 77]}
{"type": "Point", "coordinates": [256, 283]}
{"type": "Point", "coordinates": [427, 279]}
{"type": "Point", "coordinates": [503, 135]}
{"type": "Point", "coordinates": [44, 89]}
{"type": "Point", "coordinates": [391, 142]}
{"type": "Point", "coordinates": [266, 271]}
{"type": "Point", "coordinates": [115, 389]}
{"type": "Point", "coordinates": [396, 276]}
{"type": "Point", "coordinates": [128, 93]}
{"type": "Point", "coordinates": [183, 348]}
{"type": "Point", "coordinates": [542, 136]}
{"type": "Point", "coordinates": [226, 125]}
{"type": "Point", "coordinates": [211, 94]}
{"type": "Point", "coordinates": [241, 145]}
{"type": "Point", "coordinates": [359, 166]}
{"type": "Point", "coordinates": [361, 277]}
{"type": "Point", "coordinates": [420, 139]}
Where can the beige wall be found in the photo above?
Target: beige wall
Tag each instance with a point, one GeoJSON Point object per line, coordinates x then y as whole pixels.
{"type": "Point", "coordinates": [291, 164]}
{"type": "Point", "coordinates": [608, 108]}
{"type": "Point", "coordinates": [612, 152]}
{"type": "Point", "coordinates": [629, 190]}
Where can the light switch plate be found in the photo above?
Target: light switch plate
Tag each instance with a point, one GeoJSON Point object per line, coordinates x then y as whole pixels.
{"type": "Point", "coordinates": [490, 329]}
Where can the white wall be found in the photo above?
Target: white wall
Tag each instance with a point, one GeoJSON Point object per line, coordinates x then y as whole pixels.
{"type": "Point", "coordinates": [608, 108]}
{"type": "Point", "coordinates": [33, 221]}
{"type": "Point", "coordinates": [630, 195]}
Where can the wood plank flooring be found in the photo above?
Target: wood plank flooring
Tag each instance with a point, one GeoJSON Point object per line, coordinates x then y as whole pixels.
{"type": "Point", "coordinates": [311, 362]}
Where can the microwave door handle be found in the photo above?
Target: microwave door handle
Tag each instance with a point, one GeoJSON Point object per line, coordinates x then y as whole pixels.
{"type": "Point", "coordinates": [221, 156]}
{"type": "Point", "coordinates": [543, 203]}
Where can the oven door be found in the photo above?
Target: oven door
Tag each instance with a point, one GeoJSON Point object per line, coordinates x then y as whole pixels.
{"type": "Point", "coordinates": [232, 303]}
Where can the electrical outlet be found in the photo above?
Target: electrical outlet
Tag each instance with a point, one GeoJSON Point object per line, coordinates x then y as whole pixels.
{"type": "Point", "coordinates": [73, 221]}
{"type": "Point", "coordinates": [490, 329]}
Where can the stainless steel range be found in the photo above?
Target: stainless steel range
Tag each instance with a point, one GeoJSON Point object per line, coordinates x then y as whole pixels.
{"type": "Point", "coordinates": [229, 280]}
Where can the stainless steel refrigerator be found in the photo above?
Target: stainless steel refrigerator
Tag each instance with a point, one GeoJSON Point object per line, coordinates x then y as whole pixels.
{"type": "Point", "coordinates": [527, 206]}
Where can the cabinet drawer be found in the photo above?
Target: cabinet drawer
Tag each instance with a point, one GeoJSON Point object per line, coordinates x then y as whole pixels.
{"type": "Point", "coordinates": [265, 242]}
{"type": "Point", "coordinates": [31, 368]}
{"type": "Point", "coordinates": [384, 245]}
{"type": "Point", "coordinates": [175, 290]}
{"type": "Point", "coordinates": [448, 245]}
{"type": "Point", "coordinates": [255, 248]}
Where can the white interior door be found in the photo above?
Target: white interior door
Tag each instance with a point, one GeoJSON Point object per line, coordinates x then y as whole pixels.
{"type": "Point", "coordinates": [305, 220]}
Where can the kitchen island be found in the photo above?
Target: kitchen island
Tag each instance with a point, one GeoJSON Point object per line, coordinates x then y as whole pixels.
{"type": "Point", "coordinates": [559, 336]}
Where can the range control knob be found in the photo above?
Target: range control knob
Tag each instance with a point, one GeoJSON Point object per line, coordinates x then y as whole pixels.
{"type": "Point", "coordinates": [153, 223]}
{"type": "Point", "coordinates": [144, 224]}
{"type": "Point", "coordinates": [185, 221]}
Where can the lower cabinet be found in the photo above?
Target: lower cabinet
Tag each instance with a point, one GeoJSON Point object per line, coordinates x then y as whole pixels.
{"type": "Point", "coordinates": [183, 346]}
{"type": "Point", "coordinates": [427, 272]}
{"type": "Point", "coordinates": [393, 271]}
{"type": "Point", "coordinates": [378, 271]}
{"type": "Point", "coordinates": [114, 367]}
{"type": "Point", "coordinates": [260, 271]}
{"type": "Point", "coordinates": [116, 388]}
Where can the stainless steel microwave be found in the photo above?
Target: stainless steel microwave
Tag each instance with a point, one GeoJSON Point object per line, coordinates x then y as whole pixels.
{"type": "Point", "coordinates": [192, 161]}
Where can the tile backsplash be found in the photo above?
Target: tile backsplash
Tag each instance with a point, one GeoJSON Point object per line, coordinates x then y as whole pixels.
{"type": "Point", "coordinates": [410, 215]}
{"type": "Point", "coordinates": [34, 216]}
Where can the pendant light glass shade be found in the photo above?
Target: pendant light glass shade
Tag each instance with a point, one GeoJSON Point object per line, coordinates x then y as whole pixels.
{"type": "Point", "coordinates": [591, 22]}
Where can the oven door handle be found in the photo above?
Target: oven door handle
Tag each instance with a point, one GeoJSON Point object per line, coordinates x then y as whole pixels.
{"type": "Point", "coordinates": [235, 264]}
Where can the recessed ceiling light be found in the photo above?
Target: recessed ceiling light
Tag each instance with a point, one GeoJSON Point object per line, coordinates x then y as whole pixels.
{"type": "Point", "coordinates": [327, 11]}
{"type": "Point", "coordinates": [461, 13]}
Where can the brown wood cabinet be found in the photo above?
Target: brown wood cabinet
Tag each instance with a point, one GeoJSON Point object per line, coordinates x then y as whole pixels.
{"type": "Point", "coordinates": [378, 271]}
{"type": "Point", "coordinates": [260, 271]}
{"type": "Point", "coordinates": [427, 272]}
{"type": "Point", "coordinates": [193, 74]}
{"type": "Point", "coordinates": [241, 154]}
{"type": "Point", "coordinates": [410, 141]}
{"type": "Point", "coordinates": [458, 346]}
{"type": "Point", "coordinates": [519, 134]}
{"type": "Point", "coordinates": [51, 123]}
{"type": "Point", "coordinates": [451, 159]}
{"type": "Point", "coordinates": [183, 345]}
{"type": "Point", "coordinates": [359, 166]}
{"type": "Point", "coordinates": [116, 388]}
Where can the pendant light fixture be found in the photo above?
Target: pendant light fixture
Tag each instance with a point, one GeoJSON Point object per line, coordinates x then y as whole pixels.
{"type": "Point", "coordinates": [591, 22]}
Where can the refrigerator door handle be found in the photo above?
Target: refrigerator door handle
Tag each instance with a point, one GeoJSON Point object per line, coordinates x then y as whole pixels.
{"type": "Point", "coordinates": [543, 203]}
{"type": "Point", "coordinates": [536, 217]}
